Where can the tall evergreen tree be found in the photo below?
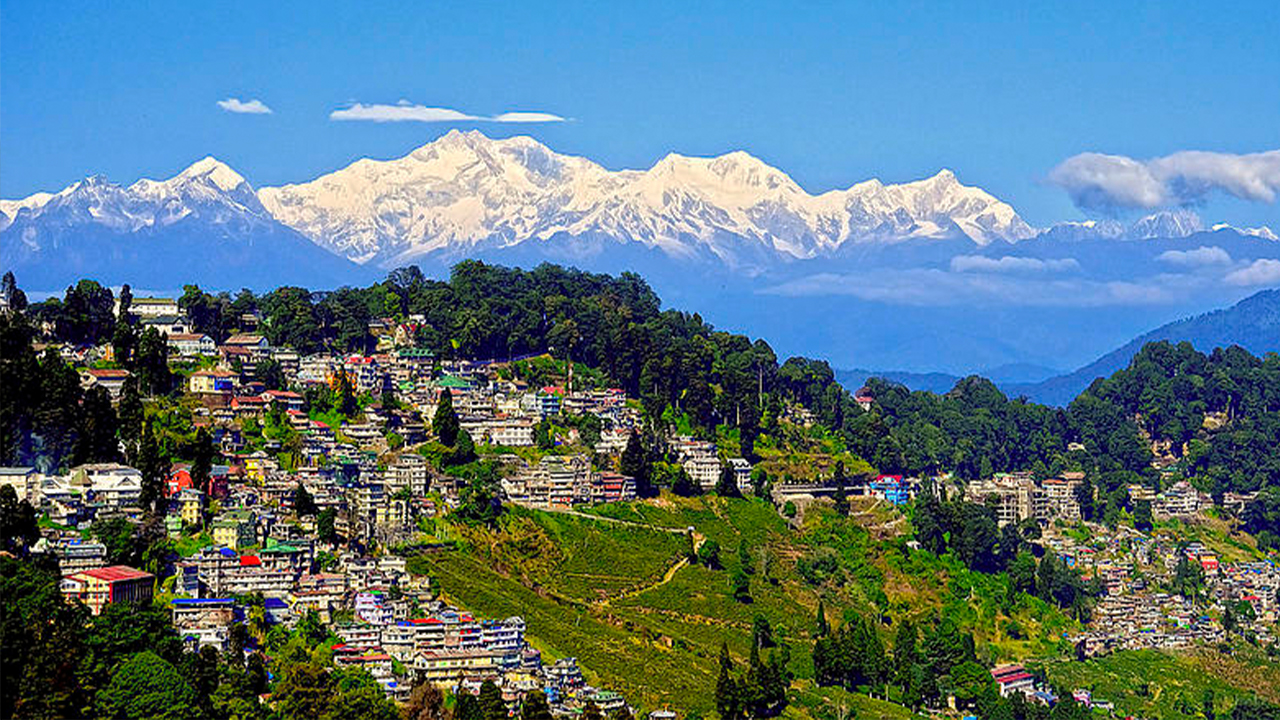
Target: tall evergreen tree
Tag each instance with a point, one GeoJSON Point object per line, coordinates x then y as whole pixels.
{"type": "Point", "coordinates": [346, 395]}
{"type": "Point", "coordinates": [96, 436]}
{"type": "Point", "coordinates": [727, 483]}
{"type": "Point", "coordinates": [202, 460]}
{"type": "Point", "coordinates": [303, 504]}
{"type": "Point", "coordinates": [445, 422]}
{"type": "Point", "coordinates": [635, 463]}
{"type": "Point", "coordinates": [152, 466]}
{"type": "Point", "coordinates": [535, 706]}
{"type": "Point", "coordinates": [728, 702]}
{"type": "Point", "coordinates": [491, 702]}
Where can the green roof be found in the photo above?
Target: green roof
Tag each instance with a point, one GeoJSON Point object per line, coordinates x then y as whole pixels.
{"type": "Point", "coordinates": [449, 381]}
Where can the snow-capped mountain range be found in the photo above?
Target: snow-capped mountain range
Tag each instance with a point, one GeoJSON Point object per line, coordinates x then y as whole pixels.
{"type": "Point", "coordinates": [465, 194]}
{"type": "Point", "coordinates": [156, 233]}
{"type": "Point", "coordinates": [207, 190]}
{"type": "Point", "coordinates": [465, 190]}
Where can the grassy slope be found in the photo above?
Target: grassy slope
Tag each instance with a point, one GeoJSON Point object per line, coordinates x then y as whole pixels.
{"type": "Point", "coordinates": [1173, 683]}
{"type": "Point", "coordinates": [604, 592]}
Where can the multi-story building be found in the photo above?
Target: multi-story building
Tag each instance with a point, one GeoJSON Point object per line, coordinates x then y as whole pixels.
{"type": "Point", "coordinates": [77, 555]}
{"type": "Point", "coordinates": [703, 470]}
{"type": "Point", "coordinates": [444, 667]}
{"type": "Point", "coordinates": [205, 382]}
{"type": "Point", "coordinates": [234, 529]}
{"type": "Point", "coordinates": [25, 481]}
{"type": "Point", "coordinates": [192, 344]}
{"type": "Point", "coordinates": [191, 503]}
{"type": "Point", "coordinates": [408, 471]}
{"type": "Point", "coordinates": [1060, 499]}
{"type": "Point", "coordinates": [100, 587]}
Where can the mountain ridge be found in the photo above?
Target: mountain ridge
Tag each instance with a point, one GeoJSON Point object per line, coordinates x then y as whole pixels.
{"type": "Point", "coordinates": [146, 232]}
{"type": "Point", "coordinates": [1252, 323]}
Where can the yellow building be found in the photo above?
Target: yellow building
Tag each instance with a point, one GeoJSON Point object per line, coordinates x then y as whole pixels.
{"type": "Point", "coordinates": [234, 529]}
{"type": "Point", "coordinates": [444, 666]}
{"type": "Point", "coordinates": [100, 587]}
{"type": "Point", "coordinates": [191, 506]}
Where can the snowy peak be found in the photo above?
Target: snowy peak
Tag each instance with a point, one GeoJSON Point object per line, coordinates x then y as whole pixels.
{"type": "Point", "coordinates": [1166, 224]}
{"type": "Point", "coordinates": [465, 189]}
{"type": "Point", "coordinates": [1178, 223]}
{"type": "Point", "coordinates": [213, 171]}
{"type": "Point", "coordinates": [207, 189]}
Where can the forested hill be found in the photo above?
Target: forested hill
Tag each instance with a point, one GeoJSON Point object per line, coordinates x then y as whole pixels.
{"type": "Point", "coordinates": [1252, 323]}
{"type": "Point", "coordinates": [1214, 413]}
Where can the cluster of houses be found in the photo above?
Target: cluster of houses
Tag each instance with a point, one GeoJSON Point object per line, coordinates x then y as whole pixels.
{"type": "Point", "coordinates": [1136, 611]}
{"type": "Point", "coordinates": [1016, 497]}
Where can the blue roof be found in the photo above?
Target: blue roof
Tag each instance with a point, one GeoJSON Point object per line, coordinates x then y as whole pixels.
{"type": "Point", "coordinates": [227, 552]}
{"type": "Point", "coordinates": [200, 601]}
{"type": "Point", "coordinates": [274, 603]}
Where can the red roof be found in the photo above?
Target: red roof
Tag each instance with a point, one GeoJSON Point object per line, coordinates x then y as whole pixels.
{"type": "Point", "coordinates": [250, 561]}
{"type": "Point", "coordinates": [115, 573]}
{"type": "Point", "coordinates": [108, 373]}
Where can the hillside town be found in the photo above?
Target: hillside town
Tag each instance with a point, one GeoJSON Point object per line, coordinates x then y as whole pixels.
{"type": "Point", "coordinates": [253, 556]}
{"type": "Point", "coordinates": [333, 470]}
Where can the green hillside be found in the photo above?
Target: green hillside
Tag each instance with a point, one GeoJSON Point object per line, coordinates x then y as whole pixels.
{"type": "Point", "coordinates": [615, 588]}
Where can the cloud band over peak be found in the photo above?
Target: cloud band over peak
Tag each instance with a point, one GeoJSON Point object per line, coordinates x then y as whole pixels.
{"type": "Point", "coordinates": [408, 112]}
{"type": "Point", "coordinates": [1115, 182]}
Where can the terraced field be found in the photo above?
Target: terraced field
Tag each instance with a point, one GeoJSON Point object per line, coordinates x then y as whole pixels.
{"type": "Point", "coordinates": [613, 587]}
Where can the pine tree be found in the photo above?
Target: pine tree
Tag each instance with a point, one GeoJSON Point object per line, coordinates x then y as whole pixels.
{"type": "Point", "coordinates": [152, 467]}
{"type": "Point", "coordinates": [124, 342]}
{"type": "Point", "coordinates": [467, 707]}
{"type": "Point", "coordinates": [905, 653]}
{"type": "Point", "coordinates": [821, 628]}
{"type": "Point", "coordinates": [303, 503]}
{"type": "Point", "coordinates": [202, 460]}
{"type": "Point", "coordinates": [727, 483]}
{"type": "Point", "coordinates": [635, 463]}
{"type": "Point", "coordinates": [347, 404]}
{"type": "Point", "coordinates": [535, 706]}
{"type": "Point", "coordinates": [131, 415]}
{"type": "Point", "coordinates": [96, 436]}
{"type": "Point", "coordinates": [491, 702]}
{"type": "Point", "coordinates": [728, 703]}
{"type": "Point", "coordinates": [841, 495]}
{"type": "Point", "coordinates": [445, 422]}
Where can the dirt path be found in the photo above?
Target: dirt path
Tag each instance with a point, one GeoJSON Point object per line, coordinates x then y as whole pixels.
{"type": "Point", "coordinates": [667, 577]}
{"type": "Point", "coordinates": [620, 521]}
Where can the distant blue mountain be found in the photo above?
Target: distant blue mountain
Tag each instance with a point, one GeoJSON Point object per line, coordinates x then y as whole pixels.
{"type": "Point", "coordinates": [1252, 323]}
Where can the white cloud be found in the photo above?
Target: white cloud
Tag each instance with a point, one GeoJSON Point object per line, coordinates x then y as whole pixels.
{"type": "Point", "coordinates": [526, 117]}
{"type": "Point", "coordinates": [1107, 182]}
{"type": "Point", "coordinates": [1011, 264]}
{"type": "Point", "coordinates": [1263, 271]}
{"type": "Point", "coordinates": [1199, 257]}
{"type": "Point", "coordinates": [404, 111]}
{"type": "Point", "coordinates": [244, 107]}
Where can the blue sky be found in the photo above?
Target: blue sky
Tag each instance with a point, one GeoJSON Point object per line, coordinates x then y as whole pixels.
{"type": "Point", "coordinates": [832, 94]}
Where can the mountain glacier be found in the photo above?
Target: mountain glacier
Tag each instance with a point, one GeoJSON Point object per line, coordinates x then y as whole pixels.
{"type": "Point", "coordinates": [465, 191]}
